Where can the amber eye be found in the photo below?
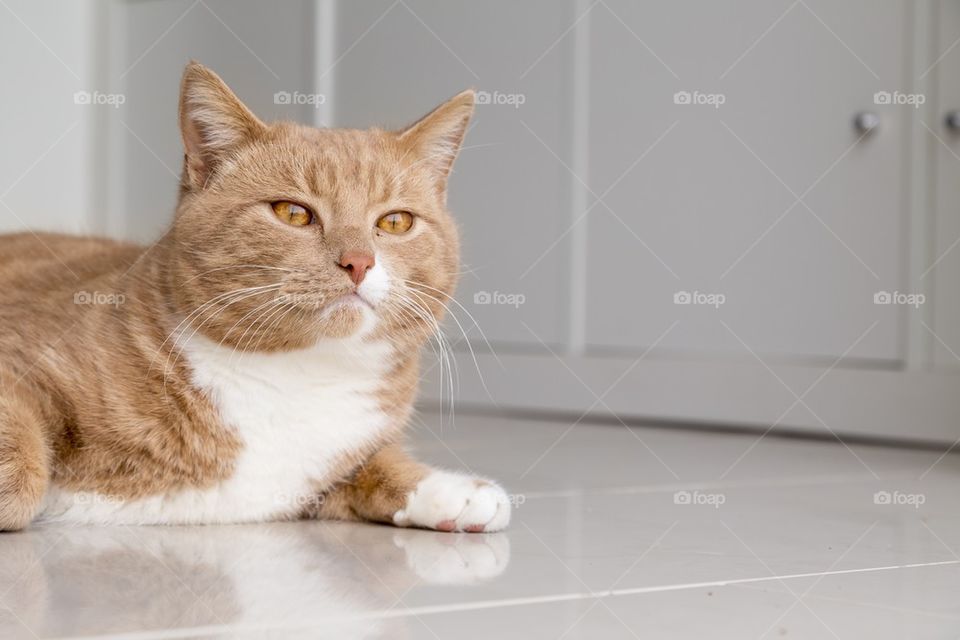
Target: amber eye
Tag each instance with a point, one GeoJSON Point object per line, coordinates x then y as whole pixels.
{"type": "Point", "coordinates": [292, 213]}
{"type": "Point", "coordinates": [396, 222]}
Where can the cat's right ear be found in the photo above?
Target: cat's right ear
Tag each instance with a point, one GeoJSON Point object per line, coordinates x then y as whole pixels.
{"type": "Point", "coordinates": [213, 122]}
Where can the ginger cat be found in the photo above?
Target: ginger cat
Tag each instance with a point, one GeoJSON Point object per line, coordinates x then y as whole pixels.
{"type": "Point", "coordinates": [259, 362]}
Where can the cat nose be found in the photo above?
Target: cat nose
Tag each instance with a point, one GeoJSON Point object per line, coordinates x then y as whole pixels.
{"type": "Point", "coordinates": [357, 263]}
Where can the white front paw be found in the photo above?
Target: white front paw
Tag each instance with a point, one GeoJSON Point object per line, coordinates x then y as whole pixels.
{"type": "Point", "coordinates": [448, 501]}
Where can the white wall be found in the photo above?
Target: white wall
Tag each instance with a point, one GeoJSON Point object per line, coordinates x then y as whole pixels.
{"type": "Point", "coordinates": [48, 155]}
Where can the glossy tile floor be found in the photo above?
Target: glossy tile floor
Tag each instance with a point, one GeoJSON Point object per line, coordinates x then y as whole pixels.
{"type": "Point", "coordinates": [617, 533]}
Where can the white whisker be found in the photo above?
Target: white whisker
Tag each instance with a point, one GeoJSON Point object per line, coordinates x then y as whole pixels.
{"type": "Point", "coordinates": [473, 355]}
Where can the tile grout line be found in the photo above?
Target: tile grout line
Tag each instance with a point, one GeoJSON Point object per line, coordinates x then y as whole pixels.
{"type": "Point", "coordinates": [795, 481]}
{"type": "Point", "coordinates": [189, 632]}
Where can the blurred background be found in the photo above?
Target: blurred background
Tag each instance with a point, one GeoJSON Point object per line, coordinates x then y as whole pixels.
{"type": "Point", "coordinates": [710, 213]}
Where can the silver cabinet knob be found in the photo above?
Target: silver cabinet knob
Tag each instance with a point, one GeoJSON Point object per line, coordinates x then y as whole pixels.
{"type": "Point", "coordinates": [952, 120]}
{"type": "Point", "coordinates": [866, 121]}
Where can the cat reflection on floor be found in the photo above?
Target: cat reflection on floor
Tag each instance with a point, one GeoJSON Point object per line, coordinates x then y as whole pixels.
{"type": "Point", "coordinates": [350, 581]}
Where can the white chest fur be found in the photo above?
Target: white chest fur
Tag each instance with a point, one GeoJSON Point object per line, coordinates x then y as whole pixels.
{"type": "Point", "coordinates": [296, 413]}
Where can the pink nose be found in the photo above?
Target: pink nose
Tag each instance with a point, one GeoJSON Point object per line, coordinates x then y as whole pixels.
{"type": "Point", "coordinates": [357, 263]}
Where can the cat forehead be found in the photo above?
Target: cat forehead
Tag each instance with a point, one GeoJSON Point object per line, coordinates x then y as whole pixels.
{"type": "Point", "coordinates": [345, 148]}
{"type": "Point", "coordinates": [346, 140]}
{"type": "Point", "coordinates": [328, 162]}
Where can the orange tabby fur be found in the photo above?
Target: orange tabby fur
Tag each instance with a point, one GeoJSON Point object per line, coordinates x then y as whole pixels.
{"type": "Point", "coordinates": [97, 398]}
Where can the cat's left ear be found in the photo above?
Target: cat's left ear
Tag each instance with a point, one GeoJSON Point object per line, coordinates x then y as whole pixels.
{"type": "Point", "coordinates": [437, 137]}
{"type": "Point", "coordinates": [213, 123]}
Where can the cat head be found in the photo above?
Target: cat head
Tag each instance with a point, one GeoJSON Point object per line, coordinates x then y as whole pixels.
{"type": "Point", "coordinates": [291, 234]}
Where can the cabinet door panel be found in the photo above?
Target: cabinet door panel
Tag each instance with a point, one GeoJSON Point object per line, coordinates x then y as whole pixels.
{"type": "Point", "coordinates": [713, 205]}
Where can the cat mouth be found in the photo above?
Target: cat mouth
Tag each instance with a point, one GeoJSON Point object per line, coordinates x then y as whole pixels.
{"type": "Point", "coordinates": [327, 305]}
{"type": "Point", "coordinates": [351, 299]}
{"type": "Point", "coordinates": [357, 298]}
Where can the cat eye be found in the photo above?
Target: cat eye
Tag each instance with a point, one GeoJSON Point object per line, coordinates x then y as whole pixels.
{"type": "Point", "coordinates": [396, 222]}
{"type": "Point", "coordinates": [292, 213]}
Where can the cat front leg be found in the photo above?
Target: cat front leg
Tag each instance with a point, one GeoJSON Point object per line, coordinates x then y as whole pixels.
{"type": "Point", "coordinates": [24, 455]}
{"type": "Point", "coordinates": [393, 488]}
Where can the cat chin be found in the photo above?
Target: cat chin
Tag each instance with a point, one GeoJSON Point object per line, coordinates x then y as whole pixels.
{"type": "Point", "coordinates": [347, 319]}
{"type": "Point", "coordinates": [343, 320]}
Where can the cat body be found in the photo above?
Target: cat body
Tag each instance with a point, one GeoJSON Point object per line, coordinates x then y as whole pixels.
{"type": "Point", "coordinates": [260, 361]}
